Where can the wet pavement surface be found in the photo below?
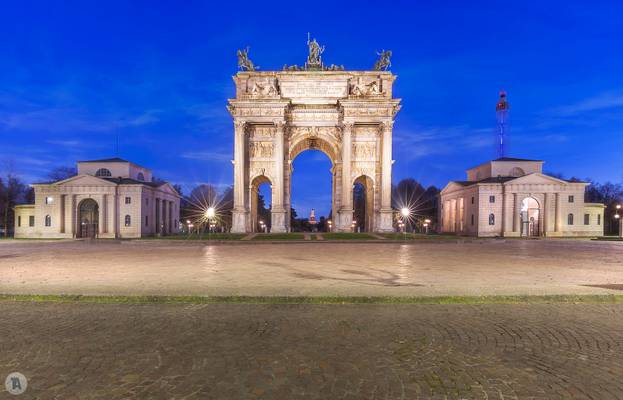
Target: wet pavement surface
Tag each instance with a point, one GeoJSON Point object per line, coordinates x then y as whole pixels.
{"type": "Point", "coordinates": [236, 351]}
{"type": "Point", "coordinates": [488, 267]}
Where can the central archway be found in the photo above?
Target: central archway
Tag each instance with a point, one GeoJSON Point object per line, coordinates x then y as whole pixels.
{"type": "Point", "coordinates": [530, 217]}
{"type": "Point", "coordinates": [88, 218]}
{"type": "Point", "coordinates": [311, 188]}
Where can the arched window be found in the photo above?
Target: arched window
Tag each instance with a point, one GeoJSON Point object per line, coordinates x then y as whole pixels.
{"type": "Point", "coordinates": [491, 219]}
{"type": "Point", "coordinates": [103, 172]}
{"type": "Point", "coordinates": [48, 220]}
{"type": "Point", "coordinates": [140, 176]}
{"type": "Point", "coordinates": [517, 172]}
{"type": "Point", "coordinates": [570, 219]}
{"type": "Point", "coordinates": [128, 220]}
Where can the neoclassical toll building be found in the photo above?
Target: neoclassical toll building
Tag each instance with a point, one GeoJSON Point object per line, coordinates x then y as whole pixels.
{"type": "Point", "coordinates": [348, 115]}
{"type": "Point", "coordinates": [111, 198]}
{"type": "Point", "coordinates": [512, 197]}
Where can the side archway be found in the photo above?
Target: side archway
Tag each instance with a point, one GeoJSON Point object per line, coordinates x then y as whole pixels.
{"type": "Point", "coordinates": [363, 204]}
{"type": "Point", "coordinates": [88, 218]}
{"type": "Point", "coordinates": [530, 217]}
{"type": "Point", "coordinates": [261, 218]}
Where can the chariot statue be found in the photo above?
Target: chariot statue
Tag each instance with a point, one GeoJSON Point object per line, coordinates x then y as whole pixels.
{"type": "Point", "coordinates": [383, 63]}
{"type": "Point", "coordinates": [244, 63]}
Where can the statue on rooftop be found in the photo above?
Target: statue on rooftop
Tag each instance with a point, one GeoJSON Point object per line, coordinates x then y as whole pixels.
{"type": "Point", "coordinates": [315, 50]}
{"type": "Point", "coordinates": [244, 63]}
{"type": "Point", "coordinates": [383, 63]}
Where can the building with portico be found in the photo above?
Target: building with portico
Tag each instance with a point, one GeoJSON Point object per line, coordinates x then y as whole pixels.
{"type": "Point", "coordinates": [512, 197]}
{"type": "Point", "coordinates": [109, 198]}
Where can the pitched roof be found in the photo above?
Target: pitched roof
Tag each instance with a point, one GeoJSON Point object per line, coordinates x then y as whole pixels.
{"type": "Point", "coordinates": [105, 160]}
{"type": "Point", "coordinates": [514, 159]}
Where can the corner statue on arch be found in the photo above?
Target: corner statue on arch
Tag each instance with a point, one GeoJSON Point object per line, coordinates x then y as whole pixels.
{"type": "Point", "coordinates": [348, 115]}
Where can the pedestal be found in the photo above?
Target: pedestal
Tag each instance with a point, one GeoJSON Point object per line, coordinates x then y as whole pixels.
{"type": "Point", "coordinates": [387, 219]}
{"type": "Point", "coordinates": [278, 221]}
{"type": "Point", "coordinates": [345, 220]}
{"type": "Point", "coordinates": [239, 221]}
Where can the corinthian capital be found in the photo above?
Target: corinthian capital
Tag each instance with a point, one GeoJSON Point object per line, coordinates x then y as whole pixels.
{"type": "Point", "coordinates": [386, 126]}
{"type": "Point", "coordinates": [280, 124]}
{"type": "Point", "coordinates": [240, 125]}
{"type": "Point", "coordinates": [347, 126]}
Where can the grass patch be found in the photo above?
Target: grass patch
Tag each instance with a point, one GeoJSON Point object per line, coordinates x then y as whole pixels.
{"type": "Point", "coordinates": [279, 236]}
{"type": "Point", "coordinates": [417, 236]}
{"type": "Point", "coordinates": [212, 236]}
{"type": "Point", "coordinates": [347, 236]}
{"type": "Point", "coordinates": [553, 299]}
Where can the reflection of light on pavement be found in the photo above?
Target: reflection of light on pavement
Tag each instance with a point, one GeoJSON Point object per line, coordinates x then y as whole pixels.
{"type": "Point", "coordinates": [404, 263]}
{"type": "Point", "coordinates": [209, 259]}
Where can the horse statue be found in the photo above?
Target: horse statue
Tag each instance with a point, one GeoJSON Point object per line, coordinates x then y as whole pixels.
{"type": "Point", "coordinates": [244, 63]}
{"type": "Point", "coordinates": [383, 63]}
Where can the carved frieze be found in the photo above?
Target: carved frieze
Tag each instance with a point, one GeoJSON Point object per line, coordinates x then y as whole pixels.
{"type": "Point", "coordinates": [257, 111]}
{"type": "Point", "coordinates": [364, 151]}
{"type": "Point", "coordinates": [261, 149]}
{"type": "Point", "coordinates": [261, 168]}
{"type": "Point", "coordinates": [364, 86]}
{"type": "Point", "coordinates": [368, 112]}
{"type": "Point", "coordinates": [262, 87]}
{"type": "Point", "coordinates": [262, 131]}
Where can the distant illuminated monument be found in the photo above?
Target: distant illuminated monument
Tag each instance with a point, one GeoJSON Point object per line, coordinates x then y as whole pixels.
{"type": "Point", "coordinates": [312, 217]}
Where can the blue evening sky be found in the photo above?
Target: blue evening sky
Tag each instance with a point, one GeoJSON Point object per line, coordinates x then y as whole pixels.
{"type": "Point", "coordinates": [74, 74]}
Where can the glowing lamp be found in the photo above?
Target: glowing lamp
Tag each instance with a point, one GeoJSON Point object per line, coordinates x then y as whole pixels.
{"type": "Point", "coordinates": [210, 212]}
{"type": "Point", "coordinates": [405, 212]}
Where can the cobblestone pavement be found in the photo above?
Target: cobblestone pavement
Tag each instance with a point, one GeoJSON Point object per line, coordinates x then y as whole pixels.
{"type": "Point", "coordinates": [234, 351]}
{"type": "Point", "coordinates": [537, 267]}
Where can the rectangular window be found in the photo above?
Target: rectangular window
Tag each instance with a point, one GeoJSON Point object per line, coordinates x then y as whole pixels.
{"type": "Point", "coordinates": [472, 199]}
{"type": "Point", "coordinates": [571, 199]}
{"type": "Point", "coordinates": [128, 200]}
{"type": "Point", "coordinates": [491, 199]}
{"type": "Point", "coordinates": [598, 219]}
{"type": "Point", "coordinates": [49, 200]}
{"type": "Point", "coordinates": [19, 220]}
{"type": "Point", "coordinates": [587, 219]}
{"type": "Point", "coordinates": [146, 220]}
{"type": "Point", "coordinates": [31, 220]}
{"type": "Point", "coordinates": [472, 218]}
{"type": "Point", "coordinates": [146, 201]}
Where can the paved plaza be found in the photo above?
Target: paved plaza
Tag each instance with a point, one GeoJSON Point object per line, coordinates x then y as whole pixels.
{"type": "Point", "coordinates": [235, 351]}
{"type": "Point", "coordinates": [488, 267]}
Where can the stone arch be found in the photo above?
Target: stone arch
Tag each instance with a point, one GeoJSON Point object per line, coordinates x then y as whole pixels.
{"type": "Point", "coordinates": [254, 192]}
{"type": "Point", "coordinates": [364, 213]}
{"type": "Point", "coordinates": [530, 216]}
{"type": "Point", "coordinates": [88, 218]}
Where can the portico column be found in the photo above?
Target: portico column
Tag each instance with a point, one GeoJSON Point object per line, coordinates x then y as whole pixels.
{"type": "Point", "coordinates": [386, 178]}
{"type": "Point", "coordinates": [278, 214]}
{"type": "Point", "coordinates": [346, 211]}
{"type": "Point", "coordinates": [240, 211]}
{"type": "Point", "coordinates": [546, 202]}
{"type": "Point", "coordinates": [558, 217]}
{"type": "Point", "coordinates": [515, 212]}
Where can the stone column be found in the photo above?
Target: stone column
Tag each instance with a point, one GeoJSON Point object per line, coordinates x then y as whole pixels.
{"type": "Point", "coordinates": [278, 213]}
{"type": "Point", "coordinates": [515, 212]}
{"type": "Point", "coordinates": [558, 216]}
{"type": "Point", "coordinates": [546, 202]}
{"type": "Point", "coordinates": [240, 213]}
{"type": "Point", "coordinates": [346, 211]}
{"type": "Point", "coordinates": [386, 178]}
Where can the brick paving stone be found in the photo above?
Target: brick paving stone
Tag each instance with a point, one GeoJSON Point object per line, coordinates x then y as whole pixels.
{"type": "Point", "coordinates": [236, 351]}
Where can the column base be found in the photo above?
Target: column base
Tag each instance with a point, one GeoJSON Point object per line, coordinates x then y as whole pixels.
{"type": "Point", "coordinates": [240, 221]}
{"type": "Point", "coordinates": [345, 220]}
{"type": "Point", "coordinates": [386, 221]}
{"type": "Point", "coordinates": [278, 222]}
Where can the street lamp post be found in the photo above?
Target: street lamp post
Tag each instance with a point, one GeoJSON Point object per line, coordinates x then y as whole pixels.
{"type": "Point", "coordinates": [210, 214]}
{"type": "Point", "coordinates": [329, 224]}
{"type": "Point", "coordinates": [427, 224]}
{"type": "Point", "coordinates": [405, 217]}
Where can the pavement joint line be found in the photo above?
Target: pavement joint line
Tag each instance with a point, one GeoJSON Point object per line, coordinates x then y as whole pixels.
{"type": "Point", "coordinates": [432, 300]}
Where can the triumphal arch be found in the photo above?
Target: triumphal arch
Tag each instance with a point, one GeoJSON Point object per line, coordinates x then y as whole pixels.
{"type": "Point", "coordinates": [348, 115]}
